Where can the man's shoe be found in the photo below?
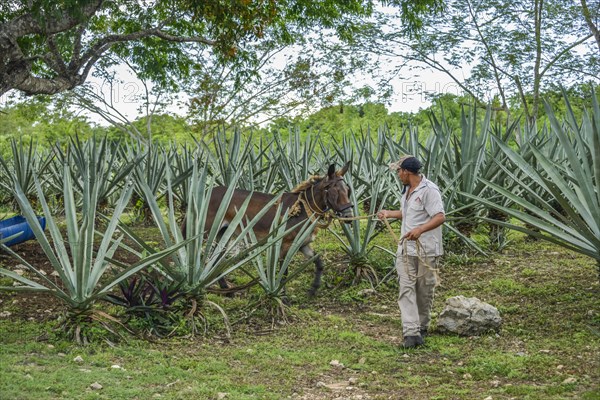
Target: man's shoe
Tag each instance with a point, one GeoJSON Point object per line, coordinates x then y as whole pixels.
{"type": "Point", "coordinates": [413, 341]}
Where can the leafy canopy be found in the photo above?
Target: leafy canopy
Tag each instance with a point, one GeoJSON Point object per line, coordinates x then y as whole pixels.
{"type": "Point", "coordinates": [49, 46]}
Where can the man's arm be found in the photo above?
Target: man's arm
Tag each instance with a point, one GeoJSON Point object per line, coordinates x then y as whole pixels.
{"type": "Point", "coordinates": [389, 214]}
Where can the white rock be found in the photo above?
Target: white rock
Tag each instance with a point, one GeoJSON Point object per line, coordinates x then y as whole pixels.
{"type": "Point", "coordinates": [95, 386]}
{"type": "Point", "coordinates": [468, 316]}
{"type": "Point", "coordinates": [366, 292]}
{"type": "Point", "coordinates": [78, 359]}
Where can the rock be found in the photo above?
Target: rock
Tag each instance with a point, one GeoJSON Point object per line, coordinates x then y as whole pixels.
{"type": "Point", "coordinates": [366, 292]}
{"type": "Point", "coordinates": [78, 359]}
{"type": "Point", "coordinates": [96, 386]}
{"type": "Point", "coordinates": [468, 316]}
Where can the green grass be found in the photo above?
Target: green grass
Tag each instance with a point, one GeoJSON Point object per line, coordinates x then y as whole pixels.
{"type": "Point", "coordinates": [548, 298]}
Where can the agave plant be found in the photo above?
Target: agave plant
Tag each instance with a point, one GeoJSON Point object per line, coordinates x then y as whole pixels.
{"type": "Point", "coordinates": [99, 159]}
{"type": "Point", "coordinates": [570, 181]}
{"type": "Point", "coordinates": [182, 161]}
{"type": "Point", "coordinates": [273, 270]}
{"type": "Point", "coordinates": [149, 172]}
{"type": "Point", "coordinates": [227, 157]}
{"type": "Point", "coordinates": [26, 164]}
{"type": "Point", "coordinates": [296, 158]}
{"type": "Point", "coordinates": [263, 167]}
{"type": "Point", "coordinates": [358, 236]}
{"type": "Point", "coordinates": [212, 252]}
{"type": "Point", "coordinates": [79, 265]}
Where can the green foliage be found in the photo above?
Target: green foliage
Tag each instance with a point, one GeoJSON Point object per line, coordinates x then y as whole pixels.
{"type": "Point", "coordinates": [570, 178]}
{"type": "Point", "coordinates": [78, 264]}
{"type": "Point", "coordinates": [37, 120]}
{"type": "Point", "coordinates": [274, 270]}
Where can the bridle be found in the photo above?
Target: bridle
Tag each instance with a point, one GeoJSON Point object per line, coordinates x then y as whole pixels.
{"type": "Point", "coordinates": [328, 206]}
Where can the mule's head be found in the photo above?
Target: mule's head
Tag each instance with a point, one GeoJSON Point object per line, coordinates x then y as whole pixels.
{"type": "Point", "coordinates": [336, 192]}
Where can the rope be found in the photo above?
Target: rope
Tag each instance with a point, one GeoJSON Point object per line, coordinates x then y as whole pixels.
{"type": "Point", "coordinates": [421, 254]}
{"type": "Point", "coordinates": [330, 216]}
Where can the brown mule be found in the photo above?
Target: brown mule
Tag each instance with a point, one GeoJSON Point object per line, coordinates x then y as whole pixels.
{"type": "Point", "coordinates": [317, 197]}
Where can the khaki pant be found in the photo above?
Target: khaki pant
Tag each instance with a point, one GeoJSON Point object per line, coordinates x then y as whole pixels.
{"type": "Point", "coordinates": [417, 286]}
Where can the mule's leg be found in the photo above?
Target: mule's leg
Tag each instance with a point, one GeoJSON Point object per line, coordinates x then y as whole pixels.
{"type": "Point", "coordinates": [309, 253]}
{"type": "Point", "coordinates": [223, 282]}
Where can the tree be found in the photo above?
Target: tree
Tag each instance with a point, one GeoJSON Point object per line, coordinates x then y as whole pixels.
{"type": "Point", "coordinates": [511, 48]}
{"type": "Point", "coordinates": [49, 47]}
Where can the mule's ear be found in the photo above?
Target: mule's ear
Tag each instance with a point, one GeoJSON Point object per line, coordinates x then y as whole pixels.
{"type": "Point", "coordinates": [342, 171]}
{"type": "Point", "coordinates": [331, 171]}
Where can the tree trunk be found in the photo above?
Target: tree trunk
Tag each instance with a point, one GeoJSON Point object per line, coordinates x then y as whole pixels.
{"type": "Point", "coordinates": [590, 23]}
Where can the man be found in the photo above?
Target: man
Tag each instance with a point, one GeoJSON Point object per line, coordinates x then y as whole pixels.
{"type": "Point", "coordinates": [422, 214]}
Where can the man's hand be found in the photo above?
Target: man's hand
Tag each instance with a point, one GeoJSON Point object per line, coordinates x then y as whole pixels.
{"type": "Point", "coordinates": [413, 234]}
{"type": "Point", "coordinates": [433, 223]}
